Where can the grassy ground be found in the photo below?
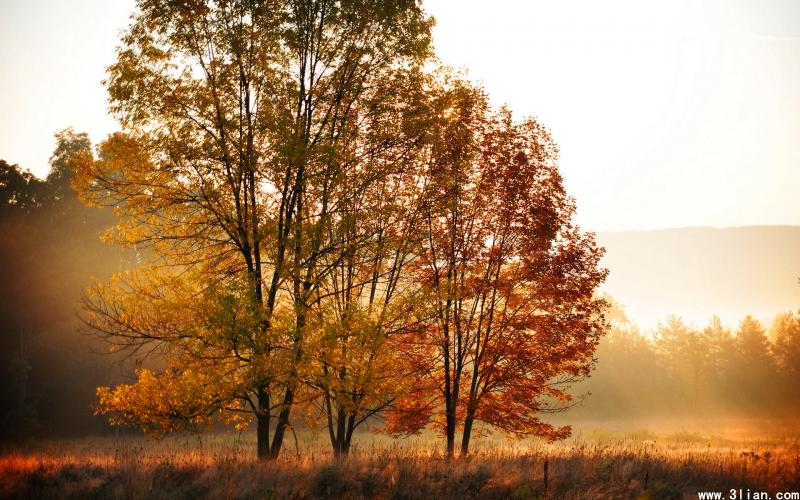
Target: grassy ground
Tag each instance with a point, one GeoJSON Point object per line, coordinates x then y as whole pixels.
{"type": "Point", "coordinates": [592, 464]}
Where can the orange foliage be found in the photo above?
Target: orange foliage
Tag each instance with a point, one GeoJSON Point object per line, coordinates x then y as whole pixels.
{"type": "Point", "coordinates": [512, 318]}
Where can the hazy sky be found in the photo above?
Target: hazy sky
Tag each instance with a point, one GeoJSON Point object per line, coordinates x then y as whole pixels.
{"type": "Point", "coordinates": [667, 113]}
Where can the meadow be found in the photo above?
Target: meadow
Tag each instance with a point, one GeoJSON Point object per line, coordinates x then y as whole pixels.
{"type": "Point", "coordinates": [600, 462]}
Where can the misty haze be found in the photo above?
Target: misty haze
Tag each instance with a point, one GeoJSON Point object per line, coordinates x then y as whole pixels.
{"type": "Point", "coordinates": [703, 271]}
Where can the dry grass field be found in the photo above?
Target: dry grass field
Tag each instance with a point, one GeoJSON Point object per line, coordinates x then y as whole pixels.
{"type": "Point", "coordinates": [592, 464]}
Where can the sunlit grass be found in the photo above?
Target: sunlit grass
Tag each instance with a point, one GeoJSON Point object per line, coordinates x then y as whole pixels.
{"type": "Point", "coordinates": [594, 463]}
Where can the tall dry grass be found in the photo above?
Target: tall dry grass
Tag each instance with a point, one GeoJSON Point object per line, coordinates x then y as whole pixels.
{"type": "Point", "coordinates": [597, 464]}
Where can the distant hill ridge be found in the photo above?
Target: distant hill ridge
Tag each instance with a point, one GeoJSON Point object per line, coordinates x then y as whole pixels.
{"type": "Point", "coordinates": [696, 272]}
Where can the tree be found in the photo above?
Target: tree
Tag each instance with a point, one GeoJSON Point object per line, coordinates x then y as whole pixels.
{"type": "Point", "coordinates": [756, 370]}
{"type": "Point", "coordinates": [20, 190]}
{"type": "Point", "coordinates": [752, 343]}
{"type": "Point", "coordinates": [69, 143]}
{"type": "Point", "coordinates": [717, 342]}
{"type": "Point", "coordinates": [685, 357]}
{"type": "Point", "coordinates": [250, 127]}
{"type": "Point", "coordinates": [368, 300]}
{"type": "Point", "coordinates": [510, 280]}
{"type": "Point", "coordinates": [786, 350]}
{"type": "Point", "coordinates": [786, 328]}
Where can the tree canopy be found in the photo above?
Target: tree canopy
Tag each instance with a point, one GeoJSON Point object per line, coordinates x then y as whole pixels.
{"type": "Point", "coordinates": [304, 196]}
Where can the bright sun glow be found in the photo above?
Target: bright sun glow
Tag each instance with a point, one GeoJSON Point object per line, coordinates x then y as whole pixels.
{"type": "Point", "coordinates": [682, 113]}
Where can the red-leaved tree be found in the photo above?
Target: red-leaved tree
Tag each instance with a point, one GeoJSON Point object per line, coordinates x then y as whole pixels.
{"type": "Point", "coordinates": [510, 282]}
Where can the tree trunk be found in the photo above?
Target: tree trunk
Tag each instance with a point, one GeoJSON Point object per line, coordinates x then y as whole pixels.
{"type": "Point", "coordinates": [262, 424]}
{"type": "Point", "coordinates": [338, 447]}
{"type": "Point", "coordinates": [283, 423]}
{"type": "Point", "coordinates": [449, 403]}
{"type": "Point", "coordinates": [342, 434]}
{"type": "Point", "coordinates": [468, 421]}
{"type": "Point", "coordinates": [329, 412]}
{"type": "Point", "coordinates": [288, 398]}
{"type": "Point", "coordinates": [450, 430]}
{"type": "Point", "coordinates": [351, 425]}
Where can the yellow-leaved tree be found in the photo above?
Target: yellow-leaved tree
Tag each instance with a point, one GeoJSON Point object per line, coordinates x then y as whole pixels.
{"type": "Point", "coordinates": [261, 140]}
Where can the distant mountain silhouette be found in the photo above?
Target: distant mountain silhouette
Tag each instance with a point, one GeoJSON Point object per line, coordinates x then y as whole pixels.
{"type": "Point", "coordinates": [698, 272]}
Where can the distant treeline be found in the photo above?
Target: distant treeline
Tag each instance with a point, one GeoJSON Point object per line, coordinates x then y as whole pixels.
{"type": "Point", "coordinates": [49, 246]}
{"type": "Point", "coordinates": [680, 371]}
